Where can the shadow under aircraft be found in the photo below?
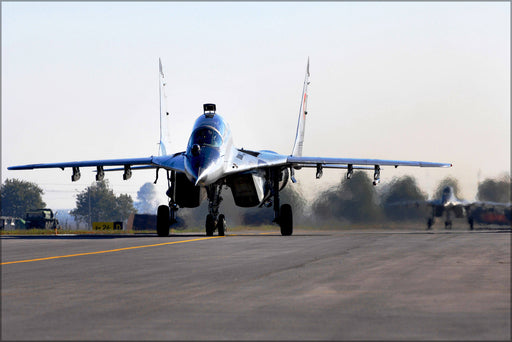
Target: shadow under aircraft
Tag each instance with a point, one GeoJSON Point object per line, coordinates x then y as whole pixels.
{"type": "Point", "coordinates": [211, 162]}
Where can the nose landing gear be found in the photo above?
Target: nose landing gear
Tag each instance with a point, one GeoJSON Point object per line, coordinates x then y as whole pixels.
{"type": "Point", "coordinates": [214, 221]}
{"type": "Point", "coordinates": [211, 225]}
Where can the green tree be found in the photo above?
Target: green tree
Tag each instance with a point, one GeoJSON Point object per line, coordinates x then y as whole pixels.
{"type": "Point", "coordinates": [18, 196]}
{"type": "Point", "coordinates": [353, 199]}
{"type": "Point", "coordinates": [124, 207]}
{"type": "Point", "coordinates": [402, 199]}
{"type": "Point", "coordinates": [98, 203]}
{"type": "Point", "coordinates": [494, 190]}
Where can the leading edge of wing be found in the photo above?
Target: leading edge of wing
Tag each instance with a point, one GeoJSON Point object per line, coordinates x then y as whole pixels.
{"type": "Point", "coordinates": [356, 161]}
{"type": "Point", "coordinates": [172, 162]}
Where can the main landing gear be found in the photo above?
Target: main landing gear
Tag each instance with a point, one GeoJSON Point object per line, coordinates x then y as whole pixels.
{"type": "Point", "coordinates": [285, 220]}
{"type": "Point", "coordinates": [447, 223]}
{"type": "Point", "coordinates": [166, 215]}
{"type": "Point", "coordinates": [282, 214]}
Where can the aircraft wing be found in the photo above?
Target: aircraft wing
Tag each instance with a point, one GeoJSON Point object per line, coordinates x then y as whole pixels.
{"type": "Point", "coordinates": [489, 204]}
{"type": "Point", "coordinates": [170, 162]}
{"type": "Point", "coordinates": [354, 161]}
{"type": "Point", "coordinates": [250, 160]}
{"type": "Point", "coordinates": [86, 163]}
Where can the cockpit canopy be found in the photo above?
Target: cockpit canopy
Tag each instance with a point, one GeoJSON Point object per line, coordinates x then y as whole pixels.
{"type": "Point", "coordinates": [205, 136]}
{"type": "Point", "coordinates": [209, 130]}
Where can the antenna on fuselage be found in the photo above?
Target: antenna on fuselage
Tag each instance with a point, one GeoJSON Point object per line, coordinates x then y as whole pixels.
{"type": "Point", "coordinates": [209, 109]}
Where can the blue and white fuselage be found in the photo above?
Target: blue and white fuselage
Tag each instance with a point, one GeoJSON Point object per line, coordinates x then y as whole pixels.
{"type": "Point", "coordinates": [209, 150]}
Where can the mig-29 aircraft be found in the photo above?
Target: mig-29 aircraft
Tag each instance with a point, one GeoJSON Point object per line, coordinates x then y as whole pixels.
{"type": "Point", "coordinates": [449, 204]}
{"type": "Point", "coordinates": [211, 161]}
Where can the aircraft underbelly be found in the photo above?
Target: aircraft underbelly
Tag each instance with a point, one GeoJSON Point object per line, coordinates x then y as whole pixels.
{"type": "Point", "coordinates": [248, 188]}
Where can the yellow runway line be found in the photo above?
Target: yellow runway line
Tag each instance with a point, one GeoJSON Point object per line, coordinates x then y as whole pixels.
{"type": "Point", "coordinates": [108, 251]}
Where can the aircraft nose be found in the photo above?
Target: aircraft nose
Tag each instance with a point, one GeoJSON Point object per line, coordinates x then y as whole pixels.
{"type": "Point", "coordinates": [202, 177]}
{"type": "Point", "coordinates": [201, 165]}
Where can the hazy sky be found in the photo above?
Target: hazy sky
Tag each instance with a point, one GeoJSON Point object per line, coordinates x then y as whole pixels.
{"type": "Point", "coordinates": [397, 80]}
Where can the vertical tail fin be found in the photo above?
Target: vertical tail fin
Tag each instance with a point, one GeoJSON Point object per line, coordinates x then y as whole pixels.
{"type": "Point", "coordinates": [164, 125]}
{"type": "Point", "coordinates": [301, 124]}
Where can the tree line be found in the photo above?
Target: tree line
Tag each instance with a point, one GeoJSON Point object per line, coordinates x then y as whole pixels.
{"type": "Point", "coordinates": [355, 201]}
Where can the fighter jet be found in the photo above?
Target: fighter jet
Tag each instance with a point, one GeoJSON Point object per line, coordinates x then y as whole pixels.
{"type": "Point", "coordinates": [211, 162]}
{"type": "Point", "coordinates": [449, 205]}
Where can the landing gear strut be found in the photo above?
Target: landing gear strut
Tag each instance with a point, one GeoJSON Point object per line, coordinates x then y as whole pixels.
{"type": "Point", "coordinates": [214, 221]}
{"type": "Point", "coordinates": [448, 222]}
{"type": "Point", "coordinates": [430, 222]}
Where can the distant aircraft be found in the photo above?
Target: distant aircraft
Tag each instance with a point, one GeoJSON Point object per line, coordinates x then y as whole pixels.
{"type": "Point", "coordinates": [450, 206]}
{"type": "Point", "coordinates": [211, 161]}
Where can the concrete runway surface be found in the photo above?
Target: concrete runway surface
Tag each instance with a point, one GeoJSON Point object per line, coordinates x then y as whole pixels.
{"type": "Point", "coordinates": [384, 285]}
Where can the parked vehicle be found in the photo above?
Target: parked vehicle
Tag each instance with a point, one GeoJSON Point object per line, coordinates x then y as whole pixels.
{"type": "Point", "coordinates": [41, 219]}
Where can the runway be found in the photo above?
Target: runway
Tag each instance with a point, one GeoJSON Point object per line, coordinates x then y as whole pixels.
{"type": "Point", "coordinates": [255, 285]}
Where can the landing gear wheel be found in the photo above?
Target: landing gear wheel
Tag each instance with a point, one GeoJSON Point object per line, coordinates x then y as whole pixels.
{"type": "Point", "coordinates": [471, 223]}
{"type": "Point", "coordinates": [430, 222]}
{"type": "Point", "coordinates": [162, 221]}
{"type": "Point", "coordinates": [448, 224]}
{"type": "Point", "coordinates": [221, 225]}
{"type": "Point", "coordinates": [210, 225]}
{"type": "Point", "coordinates": [286, 220]}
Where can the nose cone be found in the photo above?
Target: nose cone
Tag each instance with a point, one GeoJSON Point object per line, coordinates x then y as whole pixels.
{"type": "Point", "coordinates": [202, 177]}
{"type": "Point", "coordinates": [202, 167]}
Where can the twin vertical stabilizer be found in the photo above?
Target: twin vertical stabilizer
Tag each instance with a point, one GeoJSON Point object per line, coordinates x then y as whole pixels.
{"type": "Point", "coordinates": [301, 125]}
{"type": "Point", "coordinates": [164, 114]}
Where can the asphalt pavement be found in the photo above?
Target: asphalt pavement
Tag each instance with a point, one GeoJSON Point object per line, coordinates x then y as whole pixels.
{"type": "Point", "coordinates": [314, 285]}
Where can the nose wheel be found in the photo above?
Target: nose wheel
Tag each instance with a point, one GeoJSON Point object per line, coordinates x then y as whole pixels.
{"type": "Point", "coordinates": [211, 225]}
{"type": "Point", "coordinates": [430, 222]}
{"type": "Point", "coordinates": [448, 224]}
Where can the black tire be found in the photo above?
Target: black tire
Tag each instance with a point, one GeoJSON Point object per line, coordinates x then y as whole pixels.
{"type": "Point", "coordinates": [210, 225]}
{"type": "Point", "coordinates": [221, 225]}
{"type": "Point", "coordinates": [162, 221]}
{"type": "Point", "coordinates": [286, 220]}
{"type": "Point", "coordinates": [430, 222]}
